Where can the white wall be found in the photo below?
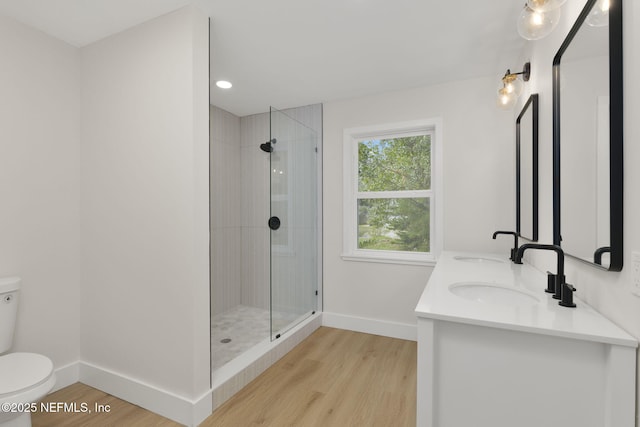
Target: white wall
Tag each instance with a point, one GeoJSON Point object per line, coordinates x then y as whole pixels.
{"type": "Point", "coordinates": [479, 153]}
{"type": "Point", "coordinates": [144, 201]}
{"type": "Point", "coordinates": [608, 292]}
{"type": "Point", "coordinates": [39, 187]}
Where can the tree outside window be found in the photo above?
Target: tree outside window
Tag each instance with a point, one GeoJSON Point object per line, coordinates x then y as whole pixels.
{"type": "Point", "coordinates": [394, 190]}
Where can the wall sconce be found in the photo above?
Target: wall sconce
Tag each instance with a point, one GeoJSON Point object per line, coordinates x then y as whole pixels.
{"type": "Point", "coordinates": [545, 5]}
{"type": "Point", "coordinates": [512, 87]}
{"type": "Point", "coordinates": [599, 15]}
{"type": "Point", "coordinates": [539, 18]}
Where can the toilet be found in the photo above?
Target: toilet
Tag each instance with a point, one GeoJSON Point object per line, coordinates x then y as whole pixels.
{"type": "Point", "coordinates": [25, 378]}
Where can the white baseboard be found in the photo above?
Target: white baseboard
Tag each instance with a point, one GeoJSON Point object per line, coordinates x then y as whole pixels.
{"type": "Point", "coordinates": [384, 328]}
{"type": "Point", "coordinates": [202, 408]}
{"type": "Point", "coordinates": [162, 402]}
{"type": "Point", "coordinates": [66, 375]}
{"type": "Point", "coordinates": [159, 401]}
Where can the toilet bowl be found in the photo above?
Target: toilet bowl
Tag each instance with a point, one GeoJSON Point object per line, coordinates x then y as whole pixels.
{"type": "Point", "coordinates": [25, 378]}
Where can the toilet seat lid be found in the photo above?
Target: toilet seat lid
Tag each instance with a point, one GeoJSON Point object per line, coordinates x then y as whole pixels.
{"type": "Point", "coordinates": [23, 370]}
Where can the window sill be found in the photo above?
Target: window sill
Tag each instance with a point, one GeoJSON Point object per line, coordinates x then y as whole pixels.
{"type": "Point", "coordinates": [427, 262]}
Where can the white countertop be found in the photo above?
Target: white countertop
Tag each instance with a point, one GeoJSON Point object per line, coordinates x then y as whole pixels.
{"type": "Point", "coordinates": [543, 317]}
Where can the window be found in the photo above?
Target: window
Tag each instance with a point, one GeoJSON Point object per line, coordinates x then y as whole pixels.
{"type": "Point", "coordinates": [392, 197]}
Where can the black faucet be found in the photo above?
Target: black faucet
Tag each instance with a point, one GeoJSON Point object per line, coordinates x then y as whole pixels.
{"type": "Point", "coordinates": [512, 257]}
{"type": "Point", "coordinates": [556, 284]}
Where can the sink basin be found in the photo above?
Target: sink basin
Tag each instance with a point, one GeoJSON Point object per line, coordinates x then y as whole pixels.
{"type": "Point", "coordinates": [492, 293]}
{"type": "Point", "coordinates": [477, 259]}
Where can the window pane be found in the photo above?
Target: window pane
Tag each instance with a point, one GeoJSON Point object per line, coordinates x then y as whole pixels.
{"type": "Point", "coordinates": [396, 164]}
{"type": "Point", "coordinates": [394, 224]}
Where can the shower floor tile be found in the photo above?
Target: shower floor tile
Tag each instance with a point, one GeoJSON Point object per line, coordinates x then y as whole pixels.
{"type": "Point", "coordinates": [237, 330]}
{"type": "Point", "coordinates": [245, 326]}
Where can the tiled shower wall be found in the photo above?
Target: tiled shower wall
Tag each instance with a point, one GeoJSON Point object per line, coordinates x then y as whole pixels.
{"type": "Point", "coordinates": [254, 130]}
{"type": "Point", "coordinates": [225, 175]}
{"type": "Point", "coordinates": [240, 205]}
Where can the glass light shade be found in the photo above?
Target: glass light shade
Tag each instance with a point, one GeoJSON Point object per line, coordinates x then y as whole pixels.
{"type": "Point", "coordinates": [545, 5]}
{"type": "Point", "coordinates": [506, 100]}
{"type": "Point", "coordinates": [513, 84]}
{"type": "Point", "coordinates": [599, 15]}
{"type": "Point", "coordinates": [533, 25]}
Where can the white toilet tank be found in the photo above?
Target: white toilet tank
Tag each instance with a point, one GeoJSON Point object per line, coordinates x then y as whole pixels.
{"type": "Point", "coordinates": [9, 289]}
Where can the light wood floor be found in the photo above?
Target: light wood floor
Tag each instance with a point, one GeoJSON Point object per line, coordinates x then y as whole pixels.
{"type": "Point", "coordinates": [333, 378]}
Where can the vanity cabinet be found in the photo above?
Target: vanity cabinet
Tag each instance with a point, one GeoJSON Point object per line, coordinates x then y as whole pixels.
{"type": "Point", "coordinates": [503, 353]}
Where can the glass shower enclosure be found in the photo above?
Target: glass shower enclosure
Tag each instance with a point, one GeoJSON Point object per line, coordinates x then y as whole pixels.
{"type": "Point", "coordinates": [293, 222]}
{"type": "Point", "coordinates": [265, 226]}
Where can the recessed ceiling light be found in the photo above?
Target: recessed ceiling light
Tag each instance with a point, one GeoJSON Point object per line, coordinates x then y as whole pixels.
{"type": "Point", "coordinates": [223, 84]}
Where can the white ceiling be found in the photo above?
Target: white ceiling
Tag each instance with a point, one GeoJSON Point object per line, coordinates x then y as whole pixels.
{"type": "Point", "coordinates": [289, 53]}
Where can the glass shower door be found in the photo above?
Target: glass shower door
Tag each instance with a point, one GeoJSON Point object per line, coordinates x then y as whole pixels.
{"type": "Point", "coordinates": [293, 222]}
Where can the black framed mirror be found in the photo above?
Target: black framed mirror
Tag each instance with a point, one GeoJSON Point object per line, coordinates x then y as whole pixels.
{"type": "Point", "coordinates": [527, 170]}
{"type": "Point", "coordinates": [588, 137]}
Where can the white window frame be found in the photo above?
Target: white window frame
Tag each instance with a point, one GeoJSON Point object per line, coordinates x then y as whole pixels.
{"type": "Point", "coordinates": [352, 137]}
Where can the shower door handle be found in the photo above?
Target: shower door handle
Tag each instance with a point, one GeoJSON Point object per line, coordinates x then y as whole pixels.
{"type": "Point", "coordinates": [274, 223]}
